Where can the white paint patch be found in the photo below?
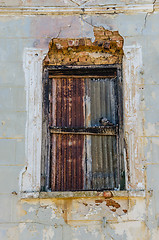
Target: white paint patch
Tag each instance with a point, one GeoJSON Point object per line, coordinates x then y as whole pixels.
{"type": "Point", "coordinates": [155, 234]}
{"type": "Point", "coordinates": [12, 234]}
{"type": "Point", "coordinates": [32, 65]}
{"type": "Point", "coordinates": [137, 212]}
{"type": "Point", "coordinates": [93, 231]}
{"type": "Point", "coordinates": [140, 185]}
{"type": "Point", "coordinates": [31, 209]}
{"type": "Point", "coordinates": [131, 230]}
{"type": "Point", "coordinates": [53, 215]}
{"type": "Point", "coordinates": [48, 233]}
{"type": "Point", "coordinates": [22, 226]}
{"type": "Point", "coordinates": [153, 94]}
{"type": "Point", "coordinates": [151, 130]}
{"type": "Point", "coordinates": [155, 141]}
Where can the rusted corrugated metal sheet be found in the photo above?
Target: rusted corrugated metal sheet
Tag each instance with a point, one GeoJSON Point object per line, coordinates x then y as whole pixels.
{"type": "Point", "coordinates": [103, 148]}
{"type": "Point", "coordinates": [68, 98]}
{"type": "Point", "coordinates": [66, 164]}
{"type": "Point", "coordinates": [82, 162]}
{"type": "Point", "coordinates": [103, 100]}
{"type": "Point", "coordinates": [67, 150]}
{"type": "Point", "coordinates": [104, 162]}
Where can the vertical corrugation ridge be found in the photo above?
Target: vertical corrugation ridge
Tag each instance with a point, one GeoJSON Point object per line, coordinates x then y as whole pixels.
{"type": "Point", "coordinates": [115, 165]}
{"type": "Point", "coordinates": [58, 103]}
{"type": "Point", "coordinates": [57, 164]}
{"type": "Point", "coordinates": [53, 162]}
{"type": "Point", "coordinates": [105, 161]}
{"type": "Point", "coordinates": [93, 104]}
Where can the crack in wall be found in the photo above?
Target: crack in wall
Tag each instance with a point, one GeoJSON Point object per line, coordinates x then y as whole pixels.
{"type": "Point", "coordinates": [86, 21]}
{"type": "Point", "coordinates": [63, 28]}
{"type": "Point", "coordinates": [148, 14]}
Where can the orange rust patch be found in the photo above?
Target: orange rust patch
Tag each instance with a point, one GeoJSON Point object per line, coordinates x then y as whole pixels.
{"type": "Point", "coordinates": [64, 206]}
{"type": "Point", "coordinates": [113, 210]}
{"type": "Point", "coordinates": [112, 203]}
{"type": "Point", "coordinates": [125, 211]}
{"type": "Point", "coordinates": [85, 204]}
{"type": "Point", "coordinates": [106, 49]}
{"type": "Point", "coordinates": [107, 194]}
{"type": "Point", "coordinates": [98, 201]}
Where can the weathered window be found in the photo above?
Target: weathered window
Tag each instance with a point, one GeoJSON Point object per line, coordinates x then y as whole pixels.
{"type": "Point", "coordinates": [82, 128]}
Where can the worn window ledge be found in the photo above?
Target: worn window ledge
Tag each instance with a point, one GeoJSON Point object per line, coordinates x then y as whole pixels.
{"type": "Point", "coordinates": [84, 194]}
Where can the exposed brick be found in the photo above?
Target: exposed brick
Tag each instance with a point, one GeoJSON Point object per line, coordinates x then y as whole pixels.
{"type": "Point", "coordinates": [83, 52]}
{"type": "Point", "coordinates": [88, 42]}
{"type": "Point", "coordinates": [81, 42]}
{"type": "Point", "coordinates": [108, 33]}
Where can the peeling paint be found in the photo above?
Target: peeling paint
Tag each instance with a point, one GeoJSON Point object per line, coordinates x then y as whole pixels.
{"type": "Point", "coordinates": [48, 233]}
{"type": "Point", "coordinates": [22, 227]}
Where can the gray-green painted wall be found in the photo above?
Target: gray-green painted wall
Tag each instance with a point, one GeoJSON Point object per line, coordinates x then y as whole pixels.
{"type": "Point", "coordinates": [80, 218]}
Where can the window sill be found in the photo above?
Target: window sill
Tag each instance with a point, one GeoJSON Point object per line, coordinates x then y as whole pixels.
{"type": "Point", "coordinates": [84, 194]}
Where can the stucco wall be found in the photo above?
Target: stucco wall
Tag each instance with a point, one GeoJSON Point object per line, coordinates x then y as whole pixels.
{"type": "Point", "coordinates": [128, 216]}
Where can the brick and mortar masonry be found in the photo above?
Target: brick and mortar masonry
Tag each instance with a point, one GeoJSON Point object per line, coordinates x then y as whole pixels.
{"type": "Point", "coordinates": [107, 48]}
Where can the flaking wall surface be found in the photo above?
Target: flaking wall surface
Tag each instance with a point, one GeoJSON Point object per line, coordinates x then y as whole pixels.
{"type": "Point", "coordinates": [127, 217]}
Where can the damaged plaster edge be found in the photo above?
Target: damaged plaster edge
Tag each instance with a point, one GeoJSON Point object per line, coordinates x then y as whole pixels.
{"type": "Point", "coordinates": [29, 179]}
{"type": "Point", "coordinates": [84, 194]}
{"type": "Point", "coordinates": [105, 48]}
{"type": "Point", "coordinates": [110, 9]}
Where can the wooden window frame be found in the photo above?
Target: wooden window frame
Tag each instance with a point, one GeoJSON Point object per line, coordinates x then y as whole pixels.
{"type": "Point", "coordinates": [84, 71]}
{"type": "Point", "coordinates": [30, 175]}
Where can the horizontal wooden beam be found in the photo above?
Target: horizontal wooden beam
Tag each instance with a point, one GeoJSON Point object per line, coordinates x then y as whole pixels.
{"type": "Point", "coordinates": [97, 130]}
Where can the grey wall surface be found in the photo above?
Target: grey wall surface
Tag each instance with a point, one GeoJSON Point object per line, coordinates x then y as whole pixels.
{"type": "Point", "coordinates": [75, 218]}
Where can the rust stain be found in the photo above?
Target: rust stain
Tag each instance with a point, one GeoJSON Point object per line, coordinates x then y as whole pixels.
{"type": "Point", "coordinates": [125, 211]}
{"type": "Point", "coordinates": [99, 201]}
{"type": "Point", "coordinates": [113, 210]}
{"type": "Point", "coordinates": [112, 203]}
{"type": "Point", "coordinates": [107, 194]}
{"type": "Point", "coordinates": [64, 207]}
{"type": "Point", "coordinates": [85, 204]}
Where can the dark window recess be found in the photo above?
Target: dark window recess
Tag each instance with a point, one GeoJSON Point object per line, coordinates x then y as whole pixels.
{"type": "Point", "coordinates": [81, 149]}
